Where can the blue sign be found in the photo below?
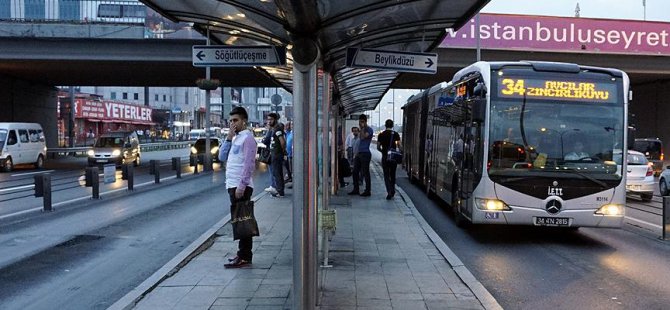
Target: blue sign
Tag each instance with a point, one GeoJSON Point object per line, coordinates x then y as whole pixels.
{"type": "Point", "coordinates": [445, 101]}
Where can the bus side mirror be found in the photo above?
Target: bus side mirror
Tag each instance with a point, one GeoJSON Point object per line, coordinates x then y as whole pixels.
{"type": "Point", "coordinates": [479, 110]}
{"type": "Point", "coordinates": [630, 141]}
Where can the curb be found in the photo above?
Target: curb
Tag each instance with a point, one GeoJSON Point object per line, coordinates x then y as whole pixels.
{"type": "Point", "coordinates": [201, 244]}
{"type": "Point", "coordinates": [481, 293]}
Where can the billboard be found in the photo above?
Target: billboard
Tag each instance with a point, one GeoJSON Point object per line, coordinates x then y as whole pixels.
{"type": "Point", "coordinates": [562, 34]}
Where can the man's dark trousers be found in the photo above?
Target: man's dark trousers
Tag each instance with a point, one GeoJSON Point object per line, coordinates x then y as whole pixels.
{"type": "Point", "coordinates": [362, 169]}
{"type": "Point", "coordinates": [244, 250]}
{"type": "Point", "coordinates": [277, 169]}
{"type": "Point", "coordinates": [389, 168]}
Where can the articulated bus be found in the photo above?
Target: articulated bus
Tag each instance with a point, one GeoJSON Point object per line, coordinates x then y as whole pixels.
{"type": "Point", "coordinates": [500, 143]}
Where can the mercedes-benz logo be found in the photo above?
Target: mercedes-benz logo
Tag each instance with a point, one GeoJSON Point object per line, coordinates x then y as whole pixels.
{"type": "Point", "coordinates": [554, 206]}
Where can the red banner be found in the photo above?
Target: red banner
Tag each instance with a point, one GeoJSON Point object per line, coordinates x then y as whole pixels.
{"type": "Point", "coordinates": [112, 111]}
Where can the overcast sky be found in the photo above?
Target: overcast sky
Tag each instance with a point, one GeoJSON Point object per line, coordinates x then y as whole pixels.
{"type": "Point", "coordinates": [657, 10]}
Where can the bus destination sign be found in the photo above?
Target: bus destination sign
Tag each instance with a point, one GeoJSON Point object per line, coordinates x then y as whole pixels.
{"type": "Point", "coordinates": [510, 87]}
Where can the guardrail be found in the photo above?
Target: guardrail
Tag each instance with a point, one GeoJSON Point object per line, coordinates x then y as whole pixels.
{"type": "Point", "coordinates": [52, 152]}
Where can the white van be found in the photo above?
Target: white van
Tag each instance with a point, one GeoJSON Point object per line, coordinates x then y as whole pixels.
{"type": "Point", "coordinates": [21, 143]}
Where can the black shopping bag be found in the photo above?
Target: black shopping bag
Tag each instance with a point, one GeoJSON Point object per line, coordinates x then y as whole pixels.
{"type": "Point", "coordinates": [243, 220]}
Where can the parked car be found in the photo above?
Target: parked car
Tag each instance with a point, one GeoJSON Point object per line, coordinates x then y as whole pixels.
{"type": "Point", "coordinates": [21, 143]}
{"type": "Point", "coordinates": [199, 146]}
{"type": "Point", "coordinates": [652, 148]}
{"type": "Point", "coordinates": [639, 175]}
{"type": "Point", "coordinates": [119, 147]}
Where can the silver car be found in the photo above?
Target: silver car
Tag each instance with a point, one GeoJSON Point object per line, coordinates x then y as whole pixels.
{"type": "Point", "coordinates": [639, 175]}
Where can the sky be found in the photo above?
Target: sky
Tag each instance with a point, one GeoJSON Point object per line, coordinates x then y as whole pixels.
{"type": "Point", "coordinates": [656, 10]}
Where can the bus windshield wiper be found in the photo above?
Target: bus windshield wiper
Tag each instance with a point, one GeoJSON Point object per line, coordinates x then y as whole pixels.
{"type": "Point", "coordinates": [586, 176]}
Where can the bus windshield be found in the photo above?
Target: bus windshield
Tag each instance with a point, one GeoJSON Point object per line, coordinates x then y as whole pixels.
{"type": "Point", "coordinates": [545, 137]}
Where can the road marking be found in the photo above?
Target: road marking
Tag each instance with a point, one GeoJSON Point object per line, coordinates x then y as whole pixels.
{"type": "Point", "coordinates": [29, 173]}
{"type": "Point", "coordinates": [17, 188]}
{"type": "Point", "coordinates": [643, 222]}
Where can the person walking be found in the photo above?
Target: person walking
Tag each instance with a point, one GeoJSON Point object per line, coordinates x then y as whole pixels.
{"type": "Point", "coordinates": [277, 148]}
{"type": "Point", "coordinates": [362, 159]}
{"type": "Point", "coordinates": [239, 154]}
{"type": "Point", "coordinates": [387, 140]}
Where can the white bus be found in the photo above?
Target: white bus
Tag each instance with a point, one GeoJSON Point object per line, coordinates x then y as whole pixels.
{"type": "Point", "coordinates": [496, 143]}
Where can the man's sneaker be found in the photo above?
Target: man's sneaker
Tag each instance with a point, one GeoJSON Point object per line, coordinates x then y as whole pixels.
{"type": "Point", "coordinates": [230, 259]}
{"type": "Point", "coordinates": [354, 193]}
{"type": "Point", "coordinates": [365, 194]}
{"type": "Point", "coordinates": [270, 189]}
{"type": "Point", "coordinates": [289, 185]}
{"type": "Point", "coordinates": [289, 180]}
{"type": "Point", "coordinates": [237, 263]}
{"type": "Point", "coordinates": [277, 195]}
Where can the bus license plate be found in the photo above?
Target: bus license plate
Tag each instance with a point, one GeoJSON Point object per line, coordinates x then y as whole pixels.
{"type": "Point", "coordinates": [552, 221]}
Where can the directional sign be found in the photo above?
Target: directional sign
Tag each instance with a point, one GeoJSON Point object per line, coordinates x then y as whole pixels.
{"type": "Point", "coordinates": [392, 60]}
{"type": "Point", "coordinates": [238, 56]}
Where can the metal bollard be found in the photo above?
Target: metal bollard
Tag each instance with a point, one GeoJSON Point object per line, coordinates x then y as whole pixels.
{"type": "Point", "coordinates": [88, 177]}
{"type": "Point", "coordinates": [39, 185]}
{"type": "Point", "coordinates": [176, 166]}
{"type": "Point", "coordinates": [130, 175]}
{"type": "Point", "coordinates": [152, 167]}
{"type": "Point", "coordinates": [46, 192]}
{"type": "Point", "coordinates": [666, 218]}
{"type": "Point", "coordinates": [156, 169]}
{"type": "Point", "coordinates": [95, 182]}
{"type": "Point", "coordinates": [192, 160]}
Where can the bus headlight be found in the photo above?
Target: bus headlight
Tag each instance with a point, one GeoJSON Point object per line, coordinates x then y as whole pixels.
{"type": "Point", "coordinates": [610, 210]}
{"type": "Point", "coordinates": [214, 150]}
{"type": "Point", "coordinates": [90, 153]}
{"type": "Point", "coordinates": [492, 205]}
{"type": "Point", "coordinates": [193, 150]}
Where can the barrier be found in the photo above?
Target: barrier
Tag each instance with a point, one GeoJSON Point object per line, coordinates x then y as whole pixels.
{"type": "Point", "coordinates": [666, 218]}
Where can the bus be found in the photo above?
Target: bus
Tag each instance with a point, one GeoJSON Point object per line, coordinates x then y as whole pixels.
{"type": "Point", "coordinates": [495, 143]}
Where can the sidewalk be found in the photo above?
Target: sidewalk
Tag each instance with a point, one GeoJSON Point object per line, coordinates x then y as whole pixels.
{"type": "Point", "coordinates": [384, 256]}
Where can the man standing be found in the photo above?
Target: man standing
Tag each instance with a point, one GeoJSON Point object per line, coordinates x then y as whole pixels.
{"type": "Point", "coordinates": [289, 154]}
{"type": "Point", "coordinates": [277, 146]}
{"type": "Point", "coordinates": [349, 144]}
{"type": "Point", "coordinates": [362, 159]}
{"type": "Point", "coordinates": [387, 140]}
{"type": "Point", "coordinates": [240, 165]}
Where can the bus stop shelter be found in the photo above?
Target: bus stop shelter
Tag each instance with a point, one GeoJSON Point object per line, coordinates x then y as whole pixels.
{"type": "Point", "coordinates": [316, 35]}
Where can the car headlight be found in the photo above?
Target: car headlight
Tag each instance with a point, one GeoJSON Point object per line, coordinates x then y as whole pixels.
{"type": "Point", "coordinates": [116, 152]}
{"type": "Point", "coordinates": [214, 150]}
{"type": "Point", "coordinates": [90, 153]}
{"type": "Point", "coordinates": [610, 210]}
{"type": "Point", "coordinates": [193, 150]}
{"type": "Point", "coordinates": [492, 205]}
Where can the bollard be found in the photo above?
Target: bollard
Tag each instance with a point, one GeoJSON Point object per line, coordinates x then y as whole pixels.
{"type": "Point", "coordinates": [130, 174]}
{"type": "Point", "coordinates": [88, 176]}
{"type": "Point", "coordinates": [124, 171]}
{"type": "Point", "coordinates": [666, 218]}
{"type": "Point", "coordinates": [46, 192]}
{"type": "Point", "coordinates": [155, 168]}
{"type": "Point", "coordinates": [192, 160]}
{"type": "Point", "coordinates": [176, 166]}
{"type": "Point", "coordinates": [39, 186]}
{"type": "Point", "coordinates": [152, 167]}
{"type": "Point", "coordinates": [95, 182]}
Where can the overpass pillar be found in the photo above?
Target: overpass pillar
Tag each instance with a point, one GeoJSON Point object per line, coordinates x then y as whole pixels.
{"type": "Point", "coordinates": [305, 201]}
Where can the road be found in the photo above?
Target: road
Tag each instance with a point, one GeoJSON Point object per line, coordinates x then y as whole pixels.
{"type": "Point", "coordinates": [539, 268]}
{"type": "Point", "coordinates": [114, 245]}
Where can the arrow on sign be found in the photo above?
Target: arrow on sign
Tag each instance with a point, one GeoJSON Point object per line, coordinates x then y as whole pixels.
{"type": "Point", "coordinates": [429, 62]}
{"type": "Point", "coordinates": [200, 55]}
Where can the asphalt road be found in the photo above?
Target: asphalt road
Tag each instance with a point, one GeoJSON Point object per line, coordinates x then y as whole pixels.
{"type": "Point", "coordinates": [92, 270]}
{"type": "Point", "coordinates": [539, 268]}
